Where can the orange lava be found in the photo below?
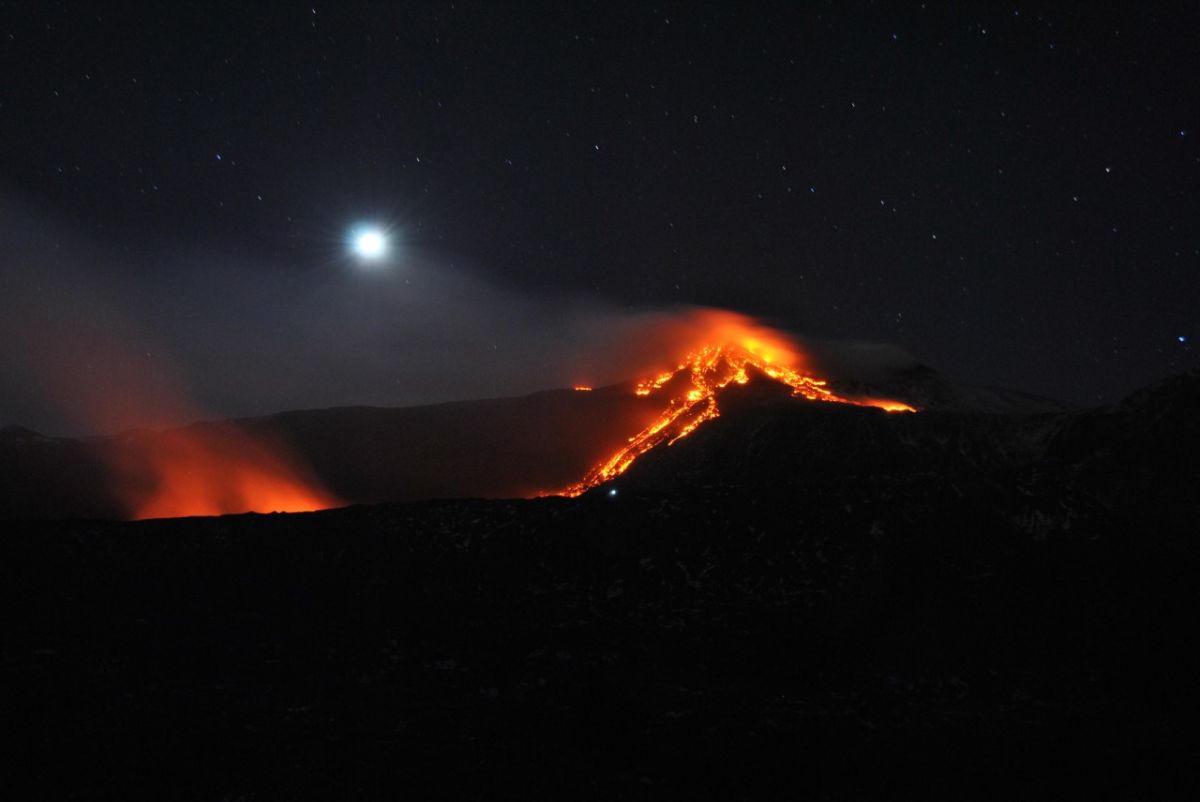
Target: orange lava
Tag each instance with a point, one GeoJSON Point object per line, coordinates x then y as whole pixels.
{"type": "Point", "coordinates": [214, 470]}
{"type": "Point", "coordinates": [733, 345]}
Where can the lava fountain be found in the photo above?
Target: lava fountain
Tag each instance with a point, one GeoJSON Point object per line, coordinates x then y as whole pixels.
{"type": "Point", "coordinates": [725, 348]}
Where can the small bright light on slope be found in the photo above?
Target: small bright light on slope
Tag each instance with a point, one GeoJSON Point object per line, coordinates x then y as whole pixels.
{"type": "Point", "coordinates": [370, 244]}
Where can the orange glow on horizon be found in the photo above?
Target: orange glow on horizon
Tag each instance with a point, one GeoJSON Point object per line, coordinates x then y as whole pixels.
{"type": "Point", "coordinates": [214, 470]}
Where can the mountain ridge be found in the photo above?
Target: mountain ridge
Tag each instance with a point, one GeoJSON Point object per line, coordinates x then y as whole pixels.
{"type": "Point", "coordinates": [500, 447]}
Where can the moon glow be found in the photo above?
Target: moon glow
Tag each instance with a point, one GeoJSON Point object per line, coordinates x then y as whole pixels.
{"type": "Point", "coordinates": [369, 244]}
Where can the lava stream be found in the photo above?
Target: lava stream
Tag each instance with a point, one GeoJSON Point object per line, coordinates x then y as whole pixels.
{"type": "Point", "coordinates": [692, 396]}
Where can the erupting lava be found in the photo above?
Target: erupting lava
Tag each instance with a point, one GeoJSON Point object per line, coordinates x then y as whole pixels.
{"type": "Point", "coordinates": [733, 347]}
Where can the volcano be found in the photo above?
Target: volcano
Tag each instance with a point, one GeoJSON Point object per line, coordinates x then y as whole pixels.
{"type": "Point", "coordinates": [742, 562]}
{"type": "Point", "coordinates": [797, 590]}
{"type": "Point", "coordinates": [550, 443]}
{"type": "Point", "coordinates": [557, 442]}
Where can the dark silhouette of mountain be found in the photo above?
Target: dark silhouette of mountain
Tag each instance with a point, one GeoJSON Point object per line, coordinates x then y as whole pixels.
{"type": "Point", "coordinates": [925, 388]}
{"type": "Point", "coordinates": [496, 448]}
{"type": "Point", "coordinates": [798, 599]}
{"type": "Point", "coordinates": [507, 447]}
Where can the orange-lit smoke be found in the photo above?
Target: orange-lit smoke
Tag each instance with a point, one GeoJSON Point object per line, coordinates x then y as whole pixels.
{"type": "Point", "coordinates": [211, 469]}
{"type": "Point", "coordinates": [712, 349]}
{"type": "Point", "coordinates": [103, 372]}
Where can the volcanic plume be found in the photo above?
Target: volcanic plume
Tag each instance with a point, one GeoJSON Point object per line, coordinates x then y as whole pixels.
{"type": "Point", "coordinates": [726, 348]}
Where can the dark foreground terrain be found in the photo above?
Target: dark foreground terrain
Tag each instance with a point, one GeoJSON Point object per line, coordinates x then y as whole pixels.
{"type": "Point", "coordinates": [797, 601]}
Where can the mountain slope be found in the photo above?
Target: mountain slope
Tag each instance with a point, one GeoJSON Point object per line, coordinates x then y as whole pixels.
{"type": "Point", "coordinates": [493, 448]}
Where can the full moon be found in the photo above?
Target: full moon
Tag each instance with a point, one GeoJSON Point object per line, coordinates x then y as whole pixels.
{"type": "Point", "coordinates": [370, 244]}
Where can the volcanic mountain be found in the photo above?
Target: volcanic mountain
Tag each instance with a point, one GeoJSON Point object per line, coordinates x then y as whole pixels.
{"type": "Point", "coordinates": [547, 443]}
{"type": "Point", "coordinates": [795, 593]}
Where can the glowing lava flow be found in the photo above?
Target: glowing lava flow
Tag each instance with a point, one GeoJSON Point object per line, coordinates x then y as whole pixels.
{"type": "Point", "coordinates": [692, 391]}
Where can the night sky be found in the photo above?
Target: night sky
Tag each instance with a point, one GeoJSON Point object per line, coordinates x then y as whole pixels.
{"type": "Point", "coordinates": [1008, 195]}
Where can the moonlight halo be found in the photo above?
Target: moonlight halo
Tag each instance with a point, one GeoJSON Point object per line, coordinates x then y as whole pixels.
{"type": "Point", "coordinates": [369, 243]}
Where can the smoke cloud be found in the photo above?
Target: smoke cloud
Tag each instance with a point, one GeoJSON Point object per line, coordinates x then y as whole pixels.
{"type": "Point", "coordinates": [97, 340]}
